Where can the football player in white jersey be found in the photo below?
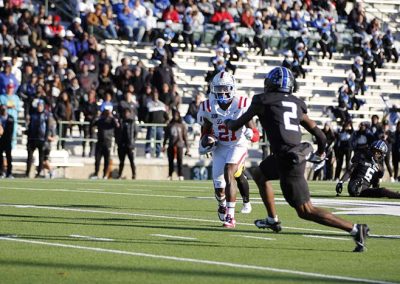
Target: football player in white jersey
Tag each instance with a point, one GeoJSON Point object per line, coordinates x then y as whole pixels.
{"type": "Point", "coordinates": [229, 148]}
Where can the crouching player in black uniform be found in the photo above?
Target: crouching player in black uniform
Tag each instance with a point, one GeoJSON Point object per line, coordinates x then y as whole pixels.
{"type": "Point", "coordinates": [281, 115]}
{"type": "Point", "coordinates": [366, 170]}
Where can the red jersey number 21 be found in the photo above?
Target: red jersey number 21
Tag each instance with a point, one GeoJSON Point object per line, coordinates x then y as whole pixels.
{"type": "Point", "coordinates": [224, 134]}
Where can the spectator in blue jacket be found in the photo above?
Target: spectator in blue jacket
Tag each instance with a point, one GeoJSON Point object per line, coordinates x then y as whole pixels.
{"type": "Point", "coordinates": [160, 6]}
{"type": "Point", "coordinates": [6, 78]}
{"type": "Point", "coordinates": [69, 44]}
{"type": "Point", "coordinates": [128, 22]}
{"type": "Point", "coordinates": [12, 101]}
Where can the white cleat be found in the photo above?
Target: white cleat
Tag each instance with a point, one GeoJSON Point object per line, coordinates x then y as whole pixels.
{"type": "Point", "coordinates": [246, 209]}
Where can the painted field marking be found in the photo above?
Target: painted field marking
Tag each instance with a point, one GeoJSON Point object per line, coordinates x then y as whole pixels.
{"type": "Point", "coordinates": [318, 201]}
{"type": "Point", "coordinates": [109, 182]}
{"type": "Point", "coordinates": [175, 218]}
{"type": "Point", "coordinates": [325, 237]}
{"type": "Point", "coordinates": [385, 236]}
{"type": "Point", "coordinates": [253, 237]}
{"type": "Point", "coordinates": [178, 190]}
{"type": "Point", "coordinates": [95, 192]}
{"type": "Point", "coordinates": [89, 238]}
{"type": "Point", "coordinates": [172, 237]}
{"type": "Point", "coordinates": [202, 261]}
{"type": "Point", "coordinates": [112, 213]}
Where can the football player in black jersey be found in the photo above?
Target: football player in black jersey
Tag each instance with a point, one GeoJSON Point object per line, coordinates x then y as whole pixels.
{"type": "Point", "coordinates": [365, 171]}
{"type": "Point", "coordinates": [281, 115]}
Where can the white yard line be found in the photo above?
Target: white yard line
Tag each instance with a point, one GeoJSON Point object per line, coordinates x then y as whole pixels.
{"type": "Point", "coordinates": [385, 236]}
{"type": "Point", "coordinates": [200, 261]}
{"type": "Point", "coordinates": [179, 190]}
{"type": "Point", "coordinates": [112, 213]}
{"type": "Point", "coordinates": [328, 202]}
{"type": "Point", "coordinates": [89, 238]}
{"type": "Point", "coordinates": [325, 237]}
{"type": "Point", "coordinates": [94, 192]}
{"type": "Point", "coordinates": [172, 217]}
{"type": "Point", "coordinates": [127, 184]}
{"type": "Point", "coordinates": [253, 237]}
{"type": "Point", "coordinates": [173, 237]}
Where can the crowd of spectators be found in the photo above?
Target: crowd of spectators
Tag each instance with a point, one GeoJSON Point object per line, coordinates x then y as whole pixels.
{"type": "Point", "coordinates": [54, 69]}
{"type": "Point", "coordinates": [58, 74]}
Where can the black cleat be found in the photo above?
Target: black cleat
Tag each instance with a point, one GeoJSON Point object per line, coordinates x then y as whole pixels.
{"type": "Point", "coordinates": [221, 212]}
{"type": "Point", "coordinates": [264, 224]}
{"type": "Point", "coordinates": [361, 237]}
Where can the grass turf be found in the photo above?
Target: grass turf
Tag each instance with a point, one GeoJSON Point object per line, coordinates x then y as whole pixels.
{"type": "Point", "coordinates": [48, 232]}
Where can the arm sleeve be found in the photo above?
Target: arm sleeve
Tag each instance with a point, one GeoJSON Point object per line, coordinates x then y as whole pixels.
{"type": "Point", "coordinates": [184, 134]}
{"type": "Point", "coordinates": [321, 138]}
{"type": "Point", "coordinates": [166, 135]}
{"type": "Point", "coordinates": [246, 117]}
{"type": "Point", "coordinates": [348, 172]}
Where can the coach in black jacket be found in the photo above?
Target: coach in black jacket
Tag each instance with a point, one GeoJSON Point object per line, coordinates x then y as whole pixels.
{"type": "Point", "coordinates": [7, 122]}
{"type": "Point", "coordinates": [106, 126]}
{"type": "Point", "coordinates": [38, 131]}
{"type": "Point", "coordinates": [126, 141]}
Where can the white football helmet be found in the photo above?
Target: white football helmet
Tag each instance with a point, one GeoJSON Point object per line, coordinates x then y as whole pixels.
{"type": "Point", "coordinates": [223, 87]}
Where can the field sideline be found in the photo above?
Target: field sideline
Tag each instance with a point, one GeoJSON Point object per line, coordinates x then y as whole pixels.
{"type": "Point", "coordinates": [80, 231]}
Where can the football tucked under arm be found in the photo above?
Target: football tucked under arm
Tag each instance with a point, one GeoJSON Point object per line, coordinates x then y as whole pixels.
{"type": "Point", "coordinates": [207, 144]}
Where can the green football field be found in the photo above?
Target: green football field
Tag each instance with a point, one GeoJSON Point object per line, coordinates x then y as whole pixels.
{"type": "Point", "coordinates": [77, 231]}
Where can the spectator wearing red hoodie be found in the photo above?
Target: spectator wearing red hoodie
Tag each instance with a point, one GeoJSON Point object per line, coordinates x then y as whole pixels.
{"type": "Point", "coordinates": [221, 15]}
{"type": "Point", "coordinates": [55, 31]}
{"type": "Point", "coordinates": [171, 14]}
{"type": "Point", "coordinates": [247, 18]}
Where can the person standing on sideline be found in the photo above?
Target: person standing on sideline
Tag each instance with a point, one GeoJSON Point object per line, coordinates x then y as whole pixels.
{"type": "Point", "coordinates": [281, 114]}
{"type": "Point", "coordinates": [385, 135]}
{"type": "Point", "coordinates": [126, 141]}
{"type": "Point", "coordinates": [13, 103]}
{"type": "Point", "coordinates": [396, 151]}
{"type": "Point", "coordinates": [343, 148]}
{"type": "Point", "coordinates": [7, 123]}
{"type": "Point", "coordinates": [47, 146]}
{"type": "Point", "coordinates": [90, 110]}
{"type": "Point", "coordinates": [176, 135]}
{"type": "Point", "coordinates": [156, 113]}
{"type": "Point", "coordinates": [106, 126]}
{"type": "Point", "coordinates": [38, 131]}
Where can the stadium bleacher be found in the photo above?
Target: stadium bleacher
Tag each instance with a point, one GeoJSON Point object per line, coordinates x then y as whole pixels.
{"type": "Point", "coordinates": [319, 88]}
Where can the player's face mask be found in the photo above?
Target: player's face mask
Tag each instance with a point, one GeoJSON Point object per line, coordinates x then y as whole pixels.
{"type": "Point", "coordinates": [377, 155]}
{"type": "Point", "coordinates": [224, 94]}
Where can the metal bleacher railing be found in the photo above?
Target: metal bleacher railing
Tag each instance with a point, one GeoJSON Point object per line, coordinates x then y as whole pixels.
{"type": "Point", "coordinates": [139, 140]}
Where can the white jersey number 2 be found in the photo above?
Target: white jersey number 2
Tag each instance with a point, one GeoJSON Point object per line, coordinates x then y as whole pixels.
{"type": "Point", "coordinates": [292, 114]}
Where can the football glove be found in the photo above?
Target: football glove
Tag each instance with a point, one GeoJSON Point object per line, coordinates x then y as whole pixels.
{"type": "Point", "coordinates": [252, 134]}
{"type": "Point", "coordinates": [339, 188]}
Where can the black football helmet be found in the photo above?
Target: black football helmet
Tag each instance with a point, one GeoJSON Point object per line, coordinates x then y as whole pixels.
{"type": "Point", "coordinates": [280, 79]}
{"type": "Point", "coordinates": [379, 150]}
